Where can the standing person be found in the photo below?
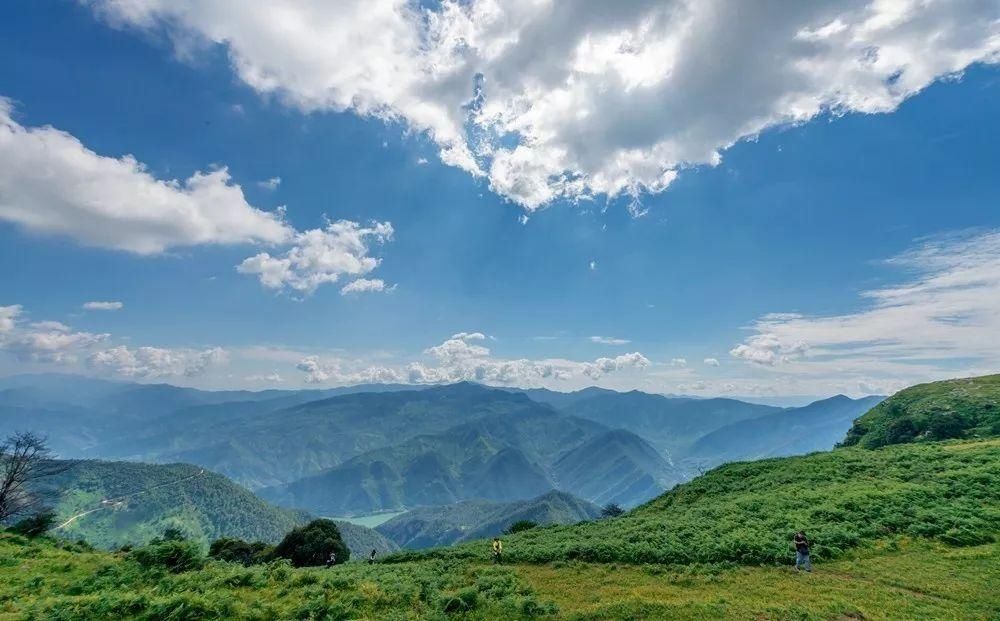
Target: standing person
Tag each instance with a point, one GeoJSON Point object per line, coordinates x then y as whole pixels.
{"type": "Point", "coordinates": [371, 557]}
{"type": "Point", "coordinates": [497, 550]}
{"type": "Point", "coordinates": [801, 543]}
{"type": "Point", "coordinates": [331, 560]}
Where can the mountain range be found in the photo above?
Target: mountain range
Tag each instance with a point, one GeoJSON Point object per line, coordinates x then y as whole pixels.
{"type": "Point", "coordinates": [502, 457]}
{"type": "Point", "coordinates": [815, 427]}
{"type": "Point", "coordinates": [373, 448]}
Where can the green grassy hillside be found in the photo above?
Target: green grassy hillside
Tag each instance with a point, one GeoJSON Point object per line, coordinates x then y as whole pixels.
{"type": "Point", "coordinates": [147, 498]}
{"type": "Point", "coordinates": [902, 532]}
{"type": "Point", "coordinates": [746, 512]}
{"type": "Point", "coordinates": [47, 581]}
{"type": "Point", "coordinates": [960, 408]}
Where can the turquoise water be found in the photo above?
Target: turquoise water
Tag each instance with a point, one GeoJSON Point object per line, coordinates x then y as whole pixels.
{"type": "Point", "coordinates": [371, 521]}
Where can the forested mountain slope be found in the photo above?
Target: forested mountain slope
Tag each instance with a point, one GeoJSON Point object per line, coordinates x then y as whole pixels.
{"type": "Point", "coordinates": [502, 457]}
{"type": "Point", "coordinates": [147, 498]}
{"type": "Point", "coordinates": [476, 519]}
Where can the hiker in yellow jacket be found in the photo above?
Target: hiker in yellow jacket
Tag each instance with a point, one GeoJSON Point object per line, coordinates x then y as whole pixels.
{"type": "Point", "coordinates": [497, 550]}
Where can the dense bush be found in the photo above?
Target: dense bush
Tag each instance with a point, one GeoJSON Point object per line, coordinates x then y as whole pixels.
{"type": "Point", "coordinates": [520, 526]}
{"type": "Point", "coordinates": [35, 525]}
{"type": "Point", "coordinates": [176, 556]}
{"type": "Point", "coordinates": [238, 551]}
{"type": "Point", "coordinates": [311, 545]}
{"type": "Point", "coordinates": [171, 552]}
{"type": "Point", "coordinates": [611, 510]}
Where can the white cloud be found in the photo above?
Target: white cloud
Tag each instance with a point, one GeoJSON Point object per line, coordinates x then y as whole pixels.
{"type": "Point", "coordinates": [552, 100]}
{"type": "Point", "coordinates": [320, 256]}
{"type": "Point", "coordinates": [43, 341]}
{"type": "Point", "coordinates": [592, 265]}
{"type": "Point", "coordinates": [103, 306]}
{"type": "Point", "coordinates": [460, 359]}
{"type": "Point", "coordinates": [270, 184]}
{"type": "Point", "coordinates": [271, 378]}
{"type": "Point", "coordinates": [321, 371]}
{"type": "Point", "coordinates": [692, 387]}
{"type": "Point", "coordinates": [149, 362]}
{"type": "Point", "coordinates": [943, 321]}
{"type": "Point", "coordinates": [678, 362]}
{"type": "Point", "coordinates": [599, 367]}
{"type": "Point", "coordinates": [711, 362]}
{"type": "Point", "coordinates": [363, 285]}
{"type": "Point", "coordinates": [55, 343]}
{"type": "Point", "coordinates": [457, 349]}
{"type": "Point", "coordinates": [608, 340]}
{"type": "Point", "coordinates": [51, 183]}
{"type": "Point", "coordinates": [767, 348]}
{"type": "Point", "coordinates": [421, 161]}
{"type": "Point", "coordinates": [469, 336]}
{"type": "Point", "coordinates": [8, 315]}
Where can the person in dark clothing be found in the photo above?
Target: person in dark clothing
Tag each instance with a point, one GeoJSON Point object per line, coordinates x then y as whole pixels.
{"type": "Point", "coordinates": [331, 560]}
{"type": "Point", "coordinates": [371, 558]}
{"type": "Point", "coordinates": [801, 543]}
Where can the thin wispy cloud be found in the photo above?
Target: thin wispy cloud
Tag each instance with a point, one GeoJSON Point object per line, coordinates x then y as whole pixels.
{"type": "Point", "coordinates": [608, 340]}
{"type": "Point", "coordinates": [103, 306]}
{"type": "Point", "coordinates": [944, 318]}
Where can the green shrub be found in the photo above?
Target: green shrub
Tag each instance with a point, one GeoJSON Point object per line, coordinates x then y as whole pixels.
{"type": "Point", "coordinates": [461, 601]}
{"type": "Point", "coordinates": [520, 526]}
{"type": "Point", "coordinates": [311, 545]}
{"type": "Point", "coordinates": [612, 510]}
{"type": "Point", "coordinates": [175, 556]}
{"type": "Point", "coordinates": [35, 525]}
{"type": "Point", "coordinates": [233, 550]}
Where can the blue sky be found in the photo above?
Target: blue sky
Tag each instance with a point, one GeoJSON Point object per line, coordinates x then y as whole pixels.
{"type": "Point", "coordinates": [678, 271]}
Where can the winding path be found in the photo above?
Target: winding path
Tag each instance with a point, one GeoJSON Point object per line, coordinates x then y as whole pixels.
{"type": "Point", "coordinates": [112, 502]}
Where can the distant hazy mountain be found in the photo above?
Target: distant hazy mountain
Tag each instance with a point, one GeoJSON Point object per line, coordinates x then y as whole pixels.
{"type": "Point", "coordinates": [501, 457]}
{"type": "Point", "coordinates": [561, 400]}
{"type": "Point", "coordinates": [616, 466]}
{"type": "Point", "coordinates": [94, 418]}
{"type": "Point", "coordinates": [276, 447]}
{"type": "Point", "coordinates": [361, 449]}
{"type": "Point", "coordinates": [671, 424]}
{"type": "Point", "coordinates": [797, 431]}
{"type": "Point", "coordinates": [361, 540]}
{"type": "Point", "coordinates": [476, 519]}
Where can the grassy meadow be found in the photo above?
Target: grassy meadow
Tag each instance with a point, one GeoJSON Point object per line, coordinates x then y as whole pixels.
{"type": "Point", "coordinates": [900, 532]}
